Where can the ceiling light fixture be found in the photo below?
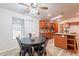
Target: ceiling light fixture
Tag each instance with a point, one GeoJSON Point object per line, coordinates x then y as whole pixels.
{"type": "Point", "coordinates": [57, 17]}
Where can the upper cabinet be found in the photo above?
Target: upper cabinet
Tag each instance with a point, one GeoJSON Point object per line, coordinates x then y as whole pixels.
{"type": "Point", "coordinates": [45, 24]}
{"type": "Point", "coordinates": [42, 24]}
{"type": "Point", "coordinates": [47, 28]}
{"type": "Point", "coordinates": [55, 27]}
{"type": "Point", "coordinates": [48, 25]}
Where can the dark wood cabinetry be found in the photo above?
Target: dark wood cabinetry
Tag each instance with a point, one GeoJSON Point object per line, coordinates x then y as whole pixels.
{"type": "Point", "coordinates": [66, 41]}
{"type": "Point", "coordinates": [60, 41]}
{"type": "Point", "coordinates": [55, 27]}
{"type": "Point", "coordinates": [47, 29]}
{"type": "Point", "coordinates": [42, 24]}
{"type": "Point", "coordinates": [71, 43]}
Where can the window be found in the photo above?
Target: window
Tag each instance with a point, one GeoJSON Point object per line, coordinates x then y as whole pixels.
{"type": "Point", "coordinates": [18, 27]}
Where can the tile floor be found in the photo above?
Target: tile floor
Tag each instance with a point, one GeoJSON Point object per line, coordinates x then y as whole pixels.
{"type": "Point", "coordinates": [55, 51]}
{"type": "Point", "coordinates": [51, 51]}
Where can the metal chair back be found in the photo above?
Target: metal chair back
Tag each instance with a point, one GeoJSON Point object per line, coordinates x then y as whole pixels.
{"type": "Point", "coordinates": [19, 42]}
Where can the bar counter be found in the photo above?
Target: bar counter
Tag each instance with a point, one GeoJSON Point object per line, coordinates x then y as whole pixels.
{"type": "Point", "coordinates": [66, 41]}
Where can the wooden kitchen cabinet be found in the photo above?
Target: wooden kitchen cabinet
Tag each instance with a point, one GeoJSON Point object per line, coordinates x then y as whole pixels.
{"type": "Point", "coordinates": [60, 41]}
{"type": "Point", "coordinates": [42, 24]}
{"type": "Point", "coordinates": [48, 25]}
{"type": "Point", "coordinates": [49, 35]}
{"type": "Point", "coordinates": [55, 27]}
{"type": "Point", "coordinates": [45, 29]}
{"type": "Point", "coordinates": [66, 41]}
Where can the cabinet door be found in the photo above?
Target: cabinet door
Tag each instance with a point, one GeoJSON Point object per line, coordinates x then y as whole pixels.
{"type": "Point", "coordinates": [64, 41]}
{"type": "Point", "coordinates": [55, 26]}
{"type": "Point", "coordinates": [49, 35]}
{"type": "Point", "coordinates": [48, 24]}
{"type": "Point", "coordinates": [60, 41]}
{"type": "Point", "coordinates": [42, 23]}
{"type": "Point", "coordinates": [57, 40]}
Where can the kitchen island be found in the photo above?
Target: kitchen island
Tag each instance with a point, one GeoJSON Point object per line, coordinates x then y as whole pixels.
{"type": "Point", "coordinates": [66, 41]}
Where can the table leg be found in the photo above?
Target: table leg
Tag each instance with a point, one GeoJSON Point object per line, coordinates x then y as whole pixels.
{"type": "Point", "coordinates": [33, 53]}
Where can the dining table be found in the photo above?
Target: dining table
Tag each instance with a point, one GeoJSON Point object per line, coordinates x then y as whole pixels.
{"type": "Point", "coordinates": [35, 41]}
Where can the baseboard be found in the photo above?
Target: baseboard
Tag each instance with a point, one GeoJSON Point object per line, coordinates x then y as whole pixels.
{"type": "Point", "coordinates": [9, 50]}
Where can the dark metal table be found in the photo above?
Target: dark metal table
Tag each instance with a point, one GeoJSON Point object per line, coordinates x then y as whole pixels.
{"type": "Point", "coordinates": [32, 42]}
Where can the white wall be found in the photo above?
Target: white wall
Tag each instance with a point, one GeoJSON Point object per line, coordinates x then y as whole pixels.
{"type": "Point", "coordinates": [73, 28]}
{"type": "Point", "coordinates": [6, 41]}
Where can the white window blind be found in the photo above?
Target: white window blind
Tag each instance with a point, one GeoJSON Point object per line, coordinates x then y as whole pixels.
{"type": "Point", "coordinates": [18, 27]}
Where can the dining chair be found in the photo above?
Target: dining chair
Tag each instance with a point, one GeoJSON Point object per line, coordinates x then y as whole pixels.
{"type": "Point", "coordinates": [41, 49]}
{"type": "Point", "coordinates": [24, 48]}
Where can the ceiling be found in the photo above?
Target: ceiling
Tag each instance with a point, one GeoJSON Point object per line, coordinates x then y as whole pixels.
{"type": "Point", "coordinates": [68, 10]}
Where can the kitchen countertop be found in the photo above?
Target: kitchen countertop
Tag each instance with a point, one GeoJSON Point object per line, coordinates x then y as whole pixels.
{"type": "Point", "coordinates": [66, 34]}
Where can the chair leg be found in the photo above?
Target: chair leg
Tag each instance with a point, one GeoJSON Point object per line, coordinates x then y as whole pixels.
{"type": "Point", "coordinates": [23, 53]}
{"type": "Point", "coordinates": [30, 51]}
{"type": "Point", "coordinates": [45, 53]}
{"type": "Point", "coordinates": [33, 52]}
{"type": "Point", "coordinates": [20, 53]}
{"type": "Point", "coordinates": [40, 54]}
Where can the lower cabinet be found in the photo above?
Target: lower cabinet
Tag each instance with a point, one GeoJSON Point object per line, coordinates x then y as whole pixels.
{"type": "Point", "coordinates": [60, 41]}
{"type": "Point", "coordinates": [67, 42]}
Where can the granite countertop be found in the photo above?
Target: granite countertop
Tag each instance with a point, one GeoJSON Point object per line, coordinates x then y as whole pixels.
{"type": "Point", "coordinates": [66, 34]}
